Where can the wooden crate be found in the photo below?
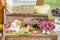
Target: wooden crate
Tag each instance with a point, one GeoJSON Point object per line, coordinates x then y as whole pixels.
{"type": "Point", "coordinates": [38, 36]}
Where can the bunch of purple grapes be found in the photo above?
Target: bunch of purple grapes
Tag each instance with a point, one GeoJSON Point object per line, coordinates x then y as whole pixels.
{"type": "Point", "coordinates": [56, 12]}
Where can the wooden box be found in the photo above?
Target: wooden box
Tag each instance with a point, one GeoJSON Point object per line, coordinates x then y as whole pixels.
{"type": "Point", "coordinates": [33, 36]}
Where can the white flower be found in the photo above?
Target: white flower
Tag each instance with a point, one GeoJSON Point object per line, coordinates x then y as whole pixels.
{"type": "Point", "coordinates": [14, 27]}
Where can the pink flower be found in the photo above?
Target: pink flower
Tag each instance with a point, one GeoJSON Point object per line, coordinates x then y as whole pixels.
{"type": "Point", "coordinates": [7, 25]}
{"type": "Point", "coordinates": [46, 25]}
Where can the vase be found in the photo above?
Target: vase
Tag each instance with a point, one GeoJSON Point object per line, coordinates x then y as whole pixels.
{"type": "Point", "coordinates": [45, 31]}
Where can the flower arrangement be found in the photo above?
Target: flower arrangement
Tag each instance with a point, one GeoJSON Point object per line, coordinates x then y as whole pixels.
{"type": "Point", "coordinates": [46, 25]}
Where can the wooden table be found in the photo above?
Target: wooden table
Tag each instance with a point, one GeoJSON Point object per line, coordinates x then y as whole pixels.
{"type": "Point", "coordinates": [33, 36]}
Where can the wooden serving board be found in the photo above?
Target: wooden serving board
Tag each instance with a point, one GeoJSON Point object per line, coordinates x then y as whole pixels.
{"type": "Point", "coordinates": [33, 36]}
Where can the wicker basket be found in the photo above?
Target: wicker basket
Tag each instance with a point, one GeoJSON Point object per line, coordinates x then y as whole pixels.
{"type": "Point", "coordinates": [26, 9]}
